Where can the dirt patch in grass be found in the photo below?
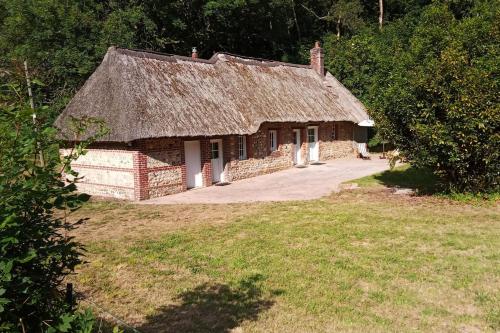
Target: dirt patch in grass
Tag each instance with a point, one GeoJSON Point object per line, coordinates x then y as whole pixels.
{"type": "Point", "coordinates": [114, 220]}
{"type": "Point", "coordinates": [364, 260]}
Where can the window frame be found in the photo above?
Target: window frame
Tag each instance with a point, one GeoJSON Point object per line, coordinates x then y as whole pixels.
{"type": "Point", "coordinates": [212, 150]}
{"type": "Point", "coordinates": [309, 136]}
{"type": "Point", "coordinates": [334, 132]}
{"type": "Point", "coordinates": [273, 140]}
{"type": "Point", "coordinates": [242, 147]}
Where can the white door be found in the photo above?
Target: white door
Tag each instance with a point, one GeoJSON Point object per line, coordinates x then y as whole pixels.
{"type": "Point", "coordinates": [297, 158]}
{"type": "Point", "coordinates": [193, 164]}
{"type": "Point", "coordinates": [312, 139]}
{"type": "Point", "coordinates": [217, 163]}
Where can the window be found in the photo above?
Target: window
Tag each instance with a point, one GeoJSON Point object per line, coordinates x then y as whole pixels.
{"type": "Point", "coordinates": [273, 140]}
{"type": "Point", "coordinates": [334, 132]}
{"type": "Point", "coordinates": [242, 147]}
{"type": "Point", "coordinates": [311, 137]}
{"type": "Point", "coordinates": [214, 148]}
{"type": "Point", "coordinates": [296, 134]}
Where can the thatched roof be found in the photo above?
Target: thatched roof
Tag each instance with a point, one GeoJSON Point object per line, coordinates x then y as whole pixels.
{"type": "Point", "coordinates": [147, 95]}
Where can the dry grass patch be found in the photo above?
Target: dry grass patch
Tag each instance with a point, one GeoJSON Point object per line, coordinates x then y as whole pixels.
{"type": "Point", "coordinates": [364, 260]}
{"type": "Point", "coordinates": [114, 220]}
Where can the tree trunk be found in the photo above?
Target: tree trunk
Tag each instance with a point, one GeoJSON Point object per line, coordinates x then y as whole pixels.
{"type": "Point", "coordinates": [381, 14]}
{"type": "Point", "coordinates": [338, 28]}
{"type": "Point", "coordinates": [295, 19]}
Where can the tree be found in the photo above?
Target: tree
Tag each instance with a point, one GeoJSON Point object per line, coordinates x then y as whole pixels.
{"type": "Point", "coordinates": [347, 13]}
{"type": "Point", "coordinates": [430, 82]}
{"type": "Point", "coordinates": [381, 14]}
{"type": "Point", "coordinates": [64, 41]}
{"type": "Point", "coordinates": [36, 252]}
{"type": "Point", "coordinates": [441, 105]}
{"type": "Point", "coordinates": [344, 13]}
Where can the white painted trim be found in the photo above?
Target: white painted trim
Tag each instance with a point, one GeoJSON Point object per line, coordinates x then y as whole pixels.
{"type": "Point", "coordinates": [217, 170]}
{"type": "Point", "coordinates": [314, 157]}
{"type": "Point", "coordinates": [192, 160]}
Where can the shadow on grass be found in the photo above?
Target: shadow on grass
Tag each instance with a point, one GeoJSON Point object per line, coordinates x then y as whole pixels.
{"type": "Point", "coordinates": [422, 180]}
{"type": "Point", "coordinates": [211, 308]}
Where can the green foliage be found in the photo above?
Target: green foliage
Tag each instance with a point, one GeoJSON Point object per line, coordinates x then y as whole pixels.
{"type": "Point", "coordinates": [64, 41]}
{"type": "Point", "coordinates": [431, 82]}
{"type": "Point", "coordinates": [347, 14]}
{"type": "Point", "coordinates": [442, 108]}
{"type": "Point", "coordinates": [430, 78]}
{"type": "Point", "coordinates": [377, 140]}
{"type": "Point", "coordinates": [81, 322]}
{"type": "Point", "coordinates": [36, 252]}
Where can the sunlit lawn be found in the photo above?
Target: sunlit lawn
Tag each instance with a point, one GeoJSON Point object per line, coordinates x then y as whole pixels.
{"type": "Point", "coordinates": [366, 260]}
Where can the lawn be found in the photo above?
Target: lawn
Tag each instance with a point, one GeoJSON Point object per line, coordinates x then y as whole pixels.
{"type": "Point", "coordinates": [363, 260]}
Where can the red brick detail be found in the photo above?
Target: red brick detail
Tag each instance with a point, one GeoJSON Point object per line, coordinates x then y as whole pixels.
{"type": "Point", "coordinates": [206, 161]}
{"type": "Point", "coordinates": [106, 185]}
{"type": "Point", "coordinates": [96, 147]}
{"type": "Point", "coordinates": [184, 177]}
{"type": "Point", "coordinates": [305, 145]}
{"type": "Point", "coordinates": [163, 186]}
{"type": "Point", "coordinates": [141, 186]}
{"type": "Point", "coordinates": [230, 152]}
{"type": "Point", "coordinates": [318, 59]}
{"type": "Point", "coordinates": [183, 166]}
{"type": "Point", "coordinates": [162, 168]}
{"type": "Point", "coordinates": [101, 167]}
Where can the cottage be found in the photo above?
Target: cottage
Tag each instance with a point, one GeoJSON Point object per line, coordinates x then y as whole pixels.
{"type": "Point", "coordinates": [177, 123]}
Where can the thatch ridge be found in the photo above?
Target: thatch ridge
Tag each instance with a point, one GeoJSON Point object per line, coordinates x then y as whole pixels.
{"type": "Point", "coordinates": [142, 94]}
{"type": "Point", "coordinates": [216, 57]}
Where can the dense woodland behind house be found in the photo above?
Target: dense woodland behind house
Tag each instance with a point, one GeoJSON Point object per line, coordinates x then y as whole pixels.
{"type": "Point", "coordinates": [66, 40]}
{"type": "Point", "coordinates": [426, 70]}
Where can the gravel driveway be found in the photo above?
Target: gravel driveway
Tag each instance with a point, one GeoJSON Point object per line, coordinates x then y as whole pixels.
{"type": "Point", "coordinates": [312, 182]}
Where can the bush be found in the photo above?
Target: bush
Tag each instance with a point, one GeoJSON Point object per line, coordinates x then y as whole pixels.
{"type": "Point", "coordinates": [441, 106]}
{"type": "Point", "coordinates": [81, 322]}
{"type": "Point", "coordinates": [430, 81]}
{"type": "Point", "coordinates": [36, 252]}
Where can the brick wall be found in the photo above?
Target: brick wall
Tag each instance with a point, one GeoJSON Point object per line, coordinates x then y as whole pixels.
{"type": "Point", "coordinates": [260, 160]}
{"type": "Point", "coordinates": [338, 146]}
{"type": "Point", "coordinates": [106, 172]}
{"type": "Point", "coordinates": [206, 164]}
{"type": "Point", "coordinates": [164, 172]}
{"type": "Point", "coordinates": [156, 167]}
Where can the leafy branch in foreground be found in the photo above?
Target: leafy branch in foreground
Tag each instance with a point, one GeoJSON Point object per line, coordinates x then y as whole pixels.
{"type": "Point", "coordinates": [36, 251]}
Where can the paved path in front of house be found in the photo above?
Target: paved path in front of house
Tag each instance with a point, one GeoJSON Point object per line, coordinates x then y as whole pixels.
{"type": "Point", "coordinates": [312, 182]}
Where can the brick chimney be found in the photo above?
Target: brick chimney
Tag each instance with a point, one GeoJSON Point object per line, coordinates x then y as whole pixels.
{"type": "Point", "coordinates": [194, 54]}
{"type": "Point", "coordinates": [318, 59]}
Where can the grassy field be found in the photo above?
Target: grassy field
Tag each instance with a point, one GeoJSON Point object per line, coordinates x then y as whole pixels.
{"type": "Point", "coordinates": [363, 260]}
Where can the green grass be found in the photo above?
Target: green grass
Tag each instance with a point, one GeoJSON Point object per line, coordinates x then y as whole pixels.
{"type": "Point", "coordinates": [358, 261]}
{"type": "Point", "coordinates": [422, 180]}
